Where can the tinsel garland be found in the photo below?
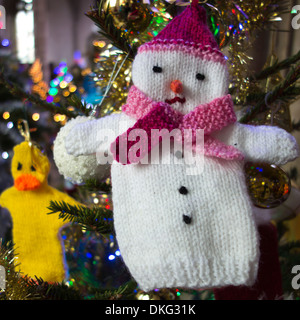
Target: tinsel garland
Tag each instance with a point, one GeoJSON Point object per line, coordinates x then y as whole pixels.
{"type": "Point", "coordinates": [235, 24]}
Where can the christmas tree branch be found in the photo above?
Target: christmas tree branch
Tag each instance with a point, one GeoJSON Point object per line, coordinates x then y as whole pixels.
{"type": "Point", "coordinates": [79, 104]}
{"type": "Point", "coordinates": [39, 289]}
{"type": "Point", "coordinates": [17, 91]}
{"type": "Point", "coordinates": [290, 93]}
{"type": "Point", "coordinates": [95, 219]}
{"type": "Point", "coordinates": [95, 185]}
{"type": "Point", "coordinates": [125, 291]}
{"type": "Point", "coordinates": [104, 21]}
{"type": "Point", "coordinates": [20, 287]}
{"type": "Point", "coordinates": [281, 91]}
{"type": "Point", "coordinates": [277, 66]}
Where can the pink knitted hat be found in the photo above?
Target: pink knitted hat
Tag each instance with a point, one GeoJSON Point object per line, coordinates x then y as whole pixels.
{"type": "Point", "coordinates": [189, 33]}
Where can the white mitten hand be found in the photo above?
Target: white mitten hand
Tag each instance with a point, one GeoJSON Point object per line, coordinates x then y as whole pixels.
{"type": "Point", "coordinates": [77, 169]}
{"type": "Point", "coordinates": [76, 140]}
{"type": "Point", "coordinates": [286, 146]}
{"type": "Point", "coordinates": [261, 143]}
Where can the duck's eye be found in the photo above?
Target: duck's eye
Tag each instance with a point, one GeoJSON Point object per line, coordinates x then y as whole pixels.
{"type": "Point", "coordinates": [19, 166]}
{"type": "Point", "coordinates": [157, 69]}
{"type": "Point", "coordinates": [200, 76]}
{"type": "Point", "coordinates": [32, 168]}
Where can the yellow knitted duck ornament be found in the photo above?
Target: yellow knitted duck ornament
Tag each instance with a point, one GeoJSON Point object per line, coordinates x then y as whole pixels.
{"type": "Point", "coordinates": [35, 233]}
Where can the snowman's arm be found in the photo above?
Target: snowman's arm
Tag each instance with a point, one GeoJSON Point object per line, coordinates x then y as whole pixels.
{"type": "Point", "coordinates": [261, 143]}
{"type": "Point", "coordinates": [96, 135]}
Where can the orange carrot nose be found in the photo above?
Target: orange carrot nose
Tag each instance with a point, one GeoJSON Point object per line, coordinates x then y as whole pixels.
{"type": "Point", "coordinates": [176, 86]}
{"type": "Point", "coordinates": [26, 182]}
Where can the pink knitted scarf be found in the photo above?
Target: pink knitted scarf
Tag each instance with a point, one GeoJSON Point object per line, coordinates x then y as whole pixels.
{"type": "Point", "coordinates": [210, 117]}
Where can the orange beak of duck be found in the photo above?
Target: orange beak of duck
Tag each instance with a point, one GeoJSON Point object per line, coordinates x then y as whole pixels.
{"type": "Point", "coordinates": [27, 182]}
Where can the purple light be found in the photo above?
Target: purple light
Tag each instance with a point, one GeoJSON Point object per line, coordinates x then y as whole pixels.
{"type": "Point", "coordinates": [68, 77]}
{"type": "Point", "coordinates": [49, 99]}
{"type": "Point", "coordinates": [5, 43]}
{"type": "Point", "coordinates": [62, 64]}
{"type": "Point", "coordinates": [77, 55]}
{"type": "Point", "coordinates": [57, 70]}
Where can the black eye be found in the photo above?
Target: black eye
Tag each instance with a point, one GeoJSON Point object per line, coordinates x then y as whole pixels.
{"type": "Point", "coordinates": [32, 168]}
{"type": "Point", "coordinates": [200, 76]}
{"type": "Point", "coordinates": [183, 190]}
{"type": "Point", "coordinates": [19, 166]}
{"type": "Point", "coordinates": [157, 69]}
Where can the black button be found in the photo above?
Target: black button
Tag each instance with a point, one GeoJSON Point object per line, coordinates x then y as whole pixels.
{"type": "Point", "coordinates": [183, 190]}
{"type": "Point", "coordinates": [187, 219]}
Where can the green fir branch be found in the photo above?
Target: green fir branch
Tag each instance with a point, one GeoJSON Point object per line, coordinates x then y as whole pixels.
{"type": "Point", "coordinates": [95, 219]}
{"type": "Point", "coordinates": [39, 289]}
{"type": "Point", "coordinates": [124, 292]}
{"type": "Point", "coordinates": [17, 91]}
{"type": "Point", "coordinates": [104, 21]}
{"type": "Point", "coordinates": [81, 105]}
{"type": "Point", "coordinates": [277, 66]}
{"type": "Point", "coordinates": [95, 185]}
{"type": "Point", "coordinates": [281, 92]}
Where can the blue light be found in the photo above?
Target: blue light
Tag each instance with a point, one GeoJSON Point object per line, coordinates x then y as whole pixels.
{"type": "Point", "coordinates": [5, 43]}
{"type": "Point", "coordinates": [89, 255]}
{"type": "Point", "coordinates": [77, 55]}
{"type": "Point", "coordinates": [111, 257]}
{"type": "Point", "coordinates": [118, 253]}
{"type": "Point", "coordinates": [241, 26]}
{"type": "Point", "coordinates": [68, 77]}
{"type": "Point", "coordinates": [57, 70]}
{"type": "Point", "coordinates": [9, 125]}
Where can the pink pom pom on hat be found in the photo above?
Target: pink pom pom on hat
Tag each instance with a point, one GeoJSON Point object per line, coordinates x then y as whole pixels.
{"type": "Point", "coordinates": [188, 33]}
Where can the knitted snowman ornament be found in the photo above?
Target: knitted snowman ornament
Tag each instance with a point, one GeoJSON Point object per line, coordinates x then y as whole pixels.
{"type": "Point", "coordinates": [174, 229]}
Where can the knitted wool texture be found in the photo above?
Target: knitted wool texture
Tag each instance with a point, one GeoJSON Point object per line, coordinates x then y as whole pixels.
{"type": "Point", "coordinates": [209, 117]}
{"type": "Point", "coordinates": [188, 33]}
{"type": "Point", "coordinates": [268, 285]}
{"type": "Point", "coordinates": [36, 237]}
{"type": "Point", "coordinates": [76, 169]}
{"type": "Point", "coordinates": [174, 229]}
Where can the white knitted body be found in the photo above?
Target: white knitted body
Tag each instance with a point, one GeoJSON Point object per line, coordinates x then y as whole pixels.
{"type": "Point", "coordinates": [218, 247]}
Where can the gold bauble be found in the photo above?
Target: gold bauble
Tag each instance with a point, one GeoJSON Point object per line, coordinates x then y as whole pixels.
{"type": "Point", "coordinates": [268, 185]}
